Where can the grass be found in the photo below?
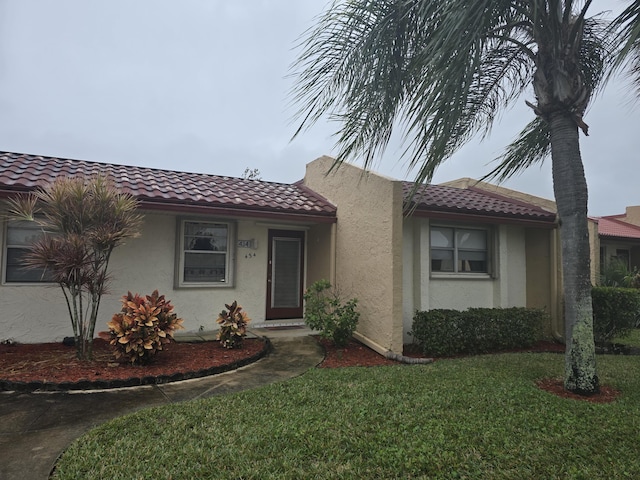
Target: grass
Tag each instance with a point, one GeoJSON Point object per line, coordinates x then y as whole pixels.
{"type": "Point", "coordinates": [473, 418]}
{"type": "Point", "coordinates": [631, 339]}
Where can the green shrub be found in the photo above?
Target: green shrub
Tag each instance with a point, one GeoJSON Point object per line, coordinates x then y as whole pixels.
{"type": "Point", "coordinates": [614, 273]}
{"type": "Point", "coordinates": [615, 312]}
{"type": "Point", "coordinates": [325, 312]}
{"type": "Point", "coordinates": [233, 326]}
{"type": "Point", "coordinates": [142, 327]}
{"type": "Point", "coordinates": [476, 330]}
{"type": "Point", "coordinates": [632, 280]}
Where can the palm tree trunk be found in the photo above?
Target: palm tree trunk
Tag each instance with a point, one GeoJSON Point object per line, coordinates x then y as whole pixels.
{"type": "Point", "coordinates": [570, 188]}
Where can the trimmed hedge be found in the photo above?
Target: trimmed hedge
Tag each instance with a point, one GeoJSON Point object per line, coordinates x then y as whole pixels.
{"type": "Point", "coordinates": [477, 330]}
{"type": "Point", "coordinates": [615, 312]}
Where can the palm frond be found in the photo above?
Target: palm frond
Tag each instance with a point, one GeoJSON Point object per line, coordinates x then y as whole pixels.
{"type": "Point", "coordinates": [627, 34]}
{"type": "Point", "coordinates": [438, 71]}
{"type": "Point", "coordinates": [531, 147]}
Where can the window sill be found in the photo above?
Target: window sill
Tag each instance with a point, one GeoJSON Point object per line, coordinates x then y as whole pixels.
{"type": "Point", "coordinates": [461, 276]}
{"type": "Point", "coordinates": [204, 285]}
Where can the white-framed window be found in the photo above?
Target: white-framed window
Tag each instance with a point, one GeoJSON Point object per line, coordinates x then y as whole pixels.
{"type": "Point", "coordinates": [460, 250]}
{"type": "Point", "coordinates": [205, 249]}
{"type": "Point", "coordinates": [19, 235]}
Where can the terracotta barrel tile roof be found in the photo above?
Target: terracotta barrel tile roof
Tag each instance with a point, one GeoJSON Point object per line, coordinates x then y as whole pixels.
{"type": "Point", "coordinates": [23, 172]}
{"type": "Point", "coordinates": [613, 227]}
{"type": "Point", "coordinates": [472, 201]}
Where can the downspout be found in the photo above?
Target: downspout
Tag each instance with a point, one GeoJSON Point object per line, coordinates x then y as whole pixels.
{"type": "Point", "coordinates": [385, 352]}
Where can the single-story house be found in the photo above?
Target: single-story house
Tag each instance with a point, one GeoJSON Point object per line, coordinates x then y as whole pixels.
{"type": "Point", "coordinates": [207, 240]}
{"type": "Point", "coordinates": [616, 238]}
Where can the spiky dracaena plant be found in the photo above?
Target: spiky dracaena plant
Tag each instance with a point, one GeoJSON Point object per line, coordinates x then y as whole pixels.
{"type": "Point", "coordinates": [143, 326]}
{"type": "Point", "coordinates": [233, 325]}
{"type": "Point", "coordinates": [83, 220]}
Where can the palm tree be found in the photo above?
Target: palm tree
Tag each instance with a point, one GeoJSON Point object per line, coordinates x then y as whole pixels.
{"type": "Point", "coordinates": [627, 26]}
{"type": "Point", "coordinates": [441, 71]}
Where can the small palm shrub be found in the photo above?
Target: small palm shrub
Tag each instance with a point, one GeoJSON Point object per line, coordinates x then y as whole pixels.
{"type": "Point", "coordinates": [233, 326]}
{"type": "Point", "coordinates": [143, 326]}
{"type": "Point", "coordinates": [325, 312]}
{"type": "Point", "coordinates": [632, 280]}
{"type": "Point", "coordinates": [616, 273]}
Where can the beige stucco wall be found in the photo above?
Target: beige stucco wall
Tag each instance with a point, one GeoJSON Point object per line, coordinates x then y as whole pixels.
{"type": "Point", "coordinates": [422, 291]}
{"type": "Point", "coordinates": [632, 214]}
{"type": "Point", "coordinates": [544, 276]}
{"type": "Point", "coordinates": [594, 251]}
{"type": "Point", "coordinates": [36, 313]}
{"type": "Point", "coordinates": [321, 259]}
{"type": "Point", "coordinates": [368, 245]}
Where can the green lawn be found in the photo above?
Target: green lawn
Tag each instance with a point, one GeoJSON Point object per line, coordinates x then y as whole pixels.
{"type": "Point", "coordinates": [632, 338]}
{"type": "Point", "coordinates": [477, 417]}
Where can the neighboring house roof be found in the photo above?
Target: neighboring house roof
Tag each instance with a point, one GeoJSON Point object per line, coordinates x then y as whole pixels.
{"type": "Point", "coordinates": [172, 190]}
{"type": "Point", "coordinates": [442, 201]}
{"type": "Point", "coordinates": [612, 226]}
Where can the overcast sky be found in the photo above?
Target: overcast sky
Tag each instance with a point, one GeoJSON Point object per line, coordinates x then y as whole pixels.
{"type": "Point", "coordinates": [201, 85]}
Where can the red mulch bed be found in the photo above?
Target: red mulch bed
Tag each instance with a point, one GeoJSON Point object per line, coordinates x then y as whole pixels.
{"type": "Point", "coordinates": [355, 354]}
{"type": "Point", "coordinates": [555, 386]}
{"type": "Point", "coordinates": [55, 363]}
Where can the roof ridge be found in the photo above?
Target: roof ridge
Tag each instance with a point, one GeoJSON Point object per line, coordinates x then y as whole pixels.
{"type": "Point", "coordinates": [506, 198]}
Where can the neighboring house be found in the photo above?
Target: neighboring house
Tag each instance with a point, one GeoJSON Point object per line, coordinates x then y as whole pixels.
{"type": "Point", "coordinates": [208, 240]}
{"type": "Point", "coordinates": [615, 238]}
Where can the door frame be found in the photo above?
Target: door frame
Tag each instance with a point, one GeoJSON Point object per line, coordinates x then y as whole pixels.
{"type": "Point", "coordinates": [274, 313]}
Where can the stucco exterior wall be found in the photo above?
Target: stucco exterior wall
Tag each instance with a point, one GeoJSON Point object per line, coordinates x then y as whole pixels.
{"type": "Point", "coordinates": [594, 251]}
{"type": "Point", "coordinates": [368, 245]}
{"type": "Point", "coordinates": [423, 291]}
{"type": "Point", "coordinates": [542, 266]}
{"type": "Point", "coordinates": [544, 277]}
{"type": "Point", "coordinates": [632, 214]}
{"type": "Point", "coordinates": [321, 261]}
{"type": "Point", "coordinates": [37, 313]}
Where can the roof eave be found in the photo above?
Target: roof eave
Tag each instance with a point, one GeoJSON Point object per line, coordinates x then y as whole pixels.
{"type": "Point", "coordinates": [619, 238]}
{"type": "Point", "coordinates": [202, 209]}
{"type": "Point", "coordinates": [209, 209]}
{"type": "Point", "coordinates": [486, 218]}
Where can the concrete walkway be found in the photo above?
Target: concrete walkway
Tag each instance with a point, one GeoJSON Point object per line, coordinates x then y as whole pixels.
{"type": "Point", "coordinates": [35, 428]}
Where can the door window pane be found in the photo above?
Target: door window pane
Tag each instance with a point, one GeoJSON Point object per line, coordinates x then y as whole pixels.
{"type": "Point", "coordinates": [286, 273]}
